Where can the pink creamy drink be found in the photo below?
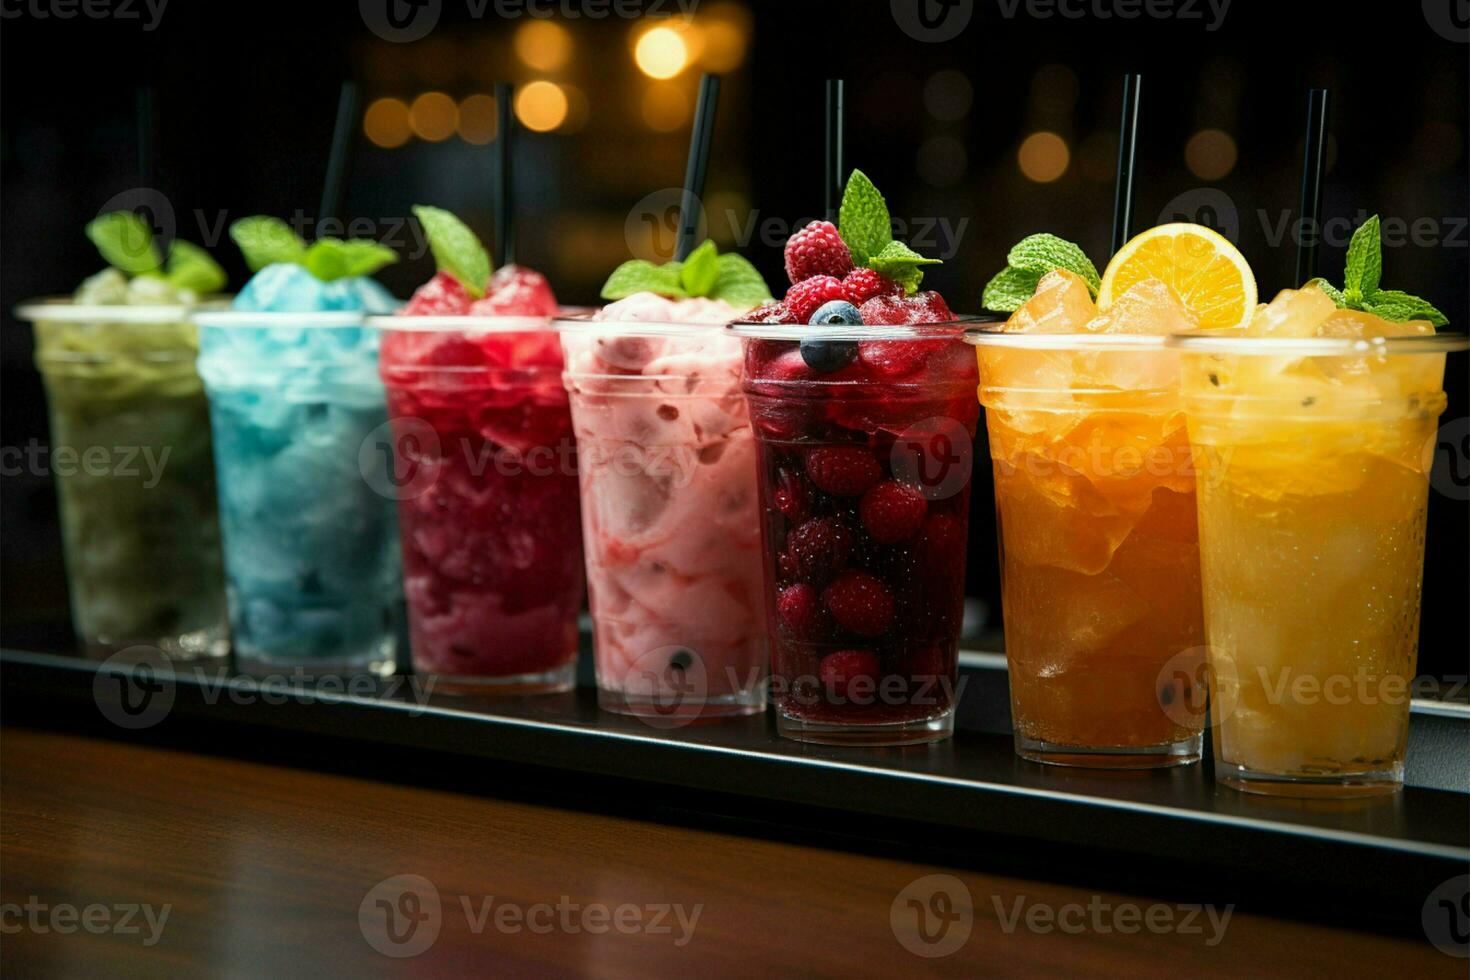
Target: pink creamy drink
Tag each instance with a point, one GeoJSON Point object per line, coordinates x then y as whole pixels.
{"type": "Point", "coordinates": [670, 508]}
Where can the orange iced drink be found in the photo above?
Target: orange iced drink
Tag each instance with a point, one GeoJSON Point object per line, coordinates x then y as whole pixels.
{"type": "Point", "coordinates": [1313, 431]}
{"type": "Point", "coordinates": [1095, 496]}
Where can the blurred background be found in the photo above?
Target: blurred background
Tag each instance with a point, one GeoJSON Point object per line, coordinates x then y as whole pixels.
{"type": "Point", "coordinates": [981, 120]}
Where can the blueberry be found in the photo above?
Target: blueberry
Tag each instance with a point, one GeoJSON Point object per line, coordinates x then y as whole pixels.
{"type": "Point", "coordinates": [828, 355]}
{"type": "Point", "coordinates": [837, 312]}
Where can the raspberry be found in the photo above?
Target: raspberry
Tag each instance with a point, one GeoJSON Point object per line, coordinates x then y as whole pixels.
{"type": "Point", "coordinates": [770, 313]}
{"type": "Point", "coordinates": [837, 670]}
{"type": "Point", "coordinates": [844, 471]}
{"type": "Point", "coordinates": [440, 296]}
{"type": "Point", "coordinates": [805, 298]}
{"type": "Point", "coordinates": [801, 611]}
{"type": "Point", "coordinates": [885, 311]}
{"type": "Point", "coordinates": [941, 544]}
{"type": "Point", "coordinates": [817, 250]}
{"type": "Point", "coordinates": [860, 603]}
{"type": "Point", "coordinates": [929, 307]}
{"type": "Point", "coordinates": [793, 496]}
{"type": "Point", "coordinates": [819, 548]}
{"type": "Point", "coordinates": [865, 284]}
{"type": "Point", "coordinates": [785, 568]}
{"type": "Point", "coordinates": [893, 511]}
{"type": "Point", "coordinates": [893, 359]}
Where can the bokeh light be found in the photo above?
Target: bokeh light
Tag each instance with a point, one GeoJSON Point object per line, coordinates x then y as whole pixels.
{"type": "Point", "coordinates": [1043, 157]}
{"type": "Point", "coordinates": [661, 53]}
{"type": "Point", "coordinates": [477, 119]}
{"type": "Point", "coordinates": [385, 123]}
{"type": "Point", "coordinates": [541, 106]}
{"type": "Point", "coordinates": [726, 30]}
{"type": "Point", "coordinates": [433, 116]}
{"type": "Point", "coordinates": [543, 44]}
{"type": "Point", "coordinates": [942, 161]}
{"type": "Point", "coordinates": [1210, 154]}
{"type": "Point", "coordinates": [948, 95]}
{"type": "Point", "coordinates": [665, 106]}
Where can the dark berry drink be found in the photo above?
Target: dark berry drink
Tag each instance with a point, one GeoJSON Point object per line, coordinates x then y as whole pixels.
{"type": "Point", "coordinates": [864, 437]}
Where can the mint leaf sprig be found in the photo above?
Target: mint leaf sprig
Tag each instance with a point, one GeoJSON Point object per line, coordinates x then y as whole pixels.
{"type": "Point", "coordinates": [1361, 278]}
{"type": "Point", "coordinates": [706, 272]}
{"type": "Point", "coordinates": [866, 227]}
{"type": "Point", "coordinates": [264, 241]}
{"type": "Point", "coordinates": [1030, 259]}
{"type": "Point", "coordinates": [126, 243]}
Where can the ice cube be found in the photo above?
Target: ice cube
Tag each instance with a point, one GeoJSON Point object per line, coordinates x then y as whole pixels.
{"type": "Point", "coordinates": [1061, 304]}
{"type": "Point", "coordinates": [1293, 313]}
{"type": "Point", "coordinates": [1150, 306]}
{"type": "Point", "coordinates": [282, 287]}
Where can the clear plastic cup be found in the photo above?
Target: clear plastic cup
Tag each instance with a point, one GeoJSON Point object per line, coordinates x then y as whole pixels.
{"type": "Point", "coordinates": [486, 483]}
{"type": "Point", "coordinates": [670, 518]}
{"type": "Point", "coordinates": [131, 457]}
{"type": "Point", "coordinates": [864, 476]}
{"type": "Point", "coordinates": [310, 538]}
{"type": "Point", "coordinates": [1314, 458]}
{"type": "Point", "coordinates": [1099, 555]}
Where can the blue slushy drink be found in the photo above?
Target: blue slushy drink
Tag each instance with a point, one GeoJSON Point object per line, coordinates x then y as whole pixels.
{"type": "Point", "coordinates": [310, 546]}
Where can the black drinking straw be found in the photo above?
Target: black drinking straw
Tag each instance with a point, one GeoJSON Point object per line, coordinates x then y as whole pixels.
{"type": "Point", "coordinates": [146, 108]}
{"type": "Point", "coordinates": [833, 167]}
{"type": "Point", "coordinates": [1127, 152]}
{"type": "Point", "coordinates": [334, 188]}
{"type": "Point", "coordinates": [1314, 159]}
{"type": "Point", "coordinates": [694, 174]}
{"type": "Point", "coordinates": [505, 238]}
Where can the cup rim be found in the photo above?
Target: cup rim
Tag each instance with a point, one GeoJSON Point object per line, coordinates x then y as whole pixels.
{"type": "Point", "coordinates": [463, 323]}
{"type": "Point", "coordinates": [318, 319]}
{"type": "Point", "coordinates": [584, 322]}
{"type": "Point", "coordinates": [1199, 342]}
{"type": "Point", "coordinates": [1066, 341]}
{"type": "Point", "coordinates": [63, 309]}
{"type": "Point", "coordinates": [947, 330]}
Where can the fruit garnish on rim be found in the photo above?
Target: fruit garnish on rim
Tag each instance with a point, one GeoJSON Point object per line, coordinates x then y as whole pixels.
{"type": "Point", "coordinates": [1168, 279]}
{"type": "Point", "coordinates": [854, 273]}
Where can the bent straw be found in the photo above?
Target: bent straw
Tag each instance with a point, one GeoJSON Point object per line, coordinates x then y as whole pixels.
{"type": "Point", "coordinates": [1127, 152]}
{"type": "Point", "coordinates": [698, 168]}
{"type": "Point", "coordinates": [832, 174]}
{"type": "Point", "coordinates": [339, 159]}
{"type": "Point", "coordinates": [1314, 158]}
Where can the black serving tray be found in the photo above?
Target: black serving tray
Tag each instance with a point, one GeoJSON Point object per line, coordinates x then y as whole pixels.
{"type": "Point", "coordinates": [969, 801]}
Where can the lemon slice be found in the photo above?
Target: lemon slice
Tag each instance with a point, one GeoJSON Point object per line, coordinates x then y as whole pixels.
{"type": "Point", "coordinates": [1210, 275]}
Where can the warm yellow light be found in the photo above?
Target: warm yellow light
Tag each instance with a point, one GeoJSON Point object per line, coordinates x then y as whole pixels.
{"type": "Point", "coordinates": [543, 44]}
{"type": "Point", "coordinates": [477, 119]}
{"type": "Point", "coordinates": [661, 53]}
{"type": "Point", "coordinates": [665, 107]}
{"type": "Point", "coordinates": [578, 109]}
{"type": "Point", "coordinates": [724, 46]}
{"type": "Point", "coordinates": [433, 116]}
{"type": "Point", "coordinates": [1043, 157]}
{"type": "Point", "coordinates": [541, 106]}
{"type": "Point", "coordinates": [1210, 154]}
{"type": "Point", "coordinates": [385, 123]}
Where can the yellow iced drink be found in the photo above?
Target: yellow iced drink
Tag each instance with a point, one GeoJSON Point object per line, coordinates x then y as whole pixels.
{"type": "Point", "coordinates": [1312, 433]}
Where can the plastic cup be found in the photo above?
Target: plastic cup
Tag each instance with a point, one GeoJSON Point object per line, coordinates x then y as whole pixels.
{"type": "Point", "coordinates": [864, 476]}
{"type": "Point", "coordinates": [1099, 556]}
{"type": "Point", "coordinates": [131, 457]}
{"type": "Point", "coordinates": [1314, 458]}
{"type": "Point", "coordinates": [485, 479]}
{"type": "Point", "coordinates": [311, 557]}
{"type": "Point", "coordinates": [670, 517]}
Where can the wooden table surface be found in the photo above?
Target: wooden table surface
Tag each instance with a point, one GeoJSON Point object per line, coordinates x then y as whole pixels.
{"type": "Point", "coordinates": [270, 871]}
